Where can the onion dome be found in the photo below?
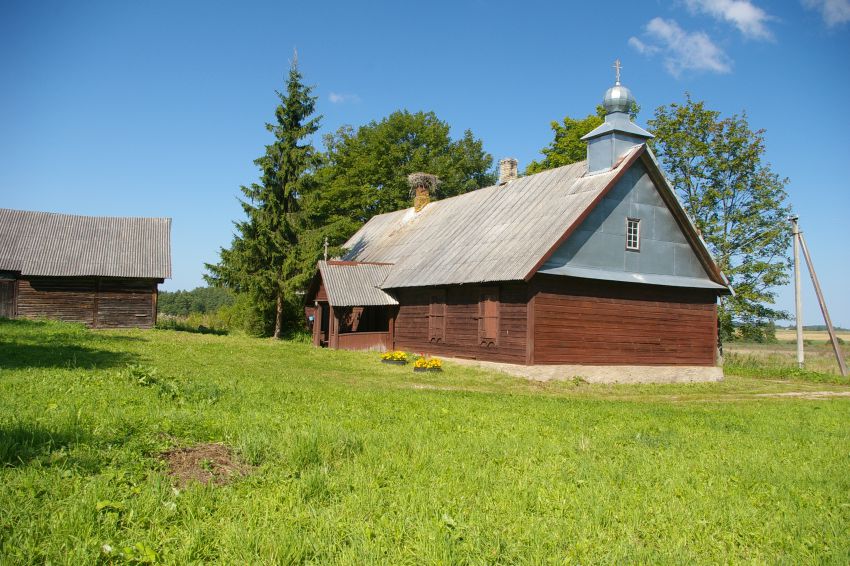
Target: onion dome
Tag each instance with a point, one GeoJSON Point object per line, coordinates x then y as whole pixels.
{"type": "Point", "coordinates": [618, 99]}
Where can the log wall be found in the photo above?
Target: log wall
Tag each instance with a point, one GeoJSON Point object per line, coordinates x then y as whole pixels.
{"type": "Point", "coordinates": [7, 298]}
{"type": "Point", "coordinates": [579, 321]}
{"type": "Point", "coordinates": [461, 336]}
{"type": "Point", "coordinates": [364, 341]}
{"type": "Point", "coordinates": [99, 303]}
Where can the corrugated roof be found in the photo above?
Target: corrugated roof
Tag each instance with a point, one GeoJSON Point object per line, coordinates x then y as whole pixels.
{"type": "Point", "coordinates": [355, 284]}
{"type": "Point", "coordinates": [498, 233]}
{"type": "Point", "coordinates": [45, 243]}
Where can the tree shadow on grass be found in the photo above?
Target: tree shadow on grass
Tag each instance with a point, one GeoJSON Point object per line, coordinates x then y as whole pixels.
{"type": "Point", "coordinates": [22, 443]}
{"type": "Point", "coordinates": [18, 355]}
{"type": "Point", "coordinates": [185, 327]}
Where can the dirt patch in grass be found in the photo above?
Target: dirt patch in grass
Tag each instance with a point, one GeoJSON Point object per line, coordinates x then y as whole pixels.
{"type": "Point", "coordinates": [203, 463]}
{"type": "Point", "coordinates": [806, 394]}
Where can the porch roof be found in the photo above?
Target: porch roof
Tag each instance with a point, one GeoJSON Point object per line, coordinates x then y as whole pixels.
{"type": "Point", "coordinates": [354, 284]}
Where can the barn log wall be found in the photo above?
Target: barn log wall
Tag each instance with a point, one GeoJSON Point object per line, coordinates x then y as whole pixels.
{"type": "Point", "coordinates": [126, 303]}
{"type": "Point", "coordinates": [70, 300]}
{"type": "Point", "coordinates": [461, 323]}
{"type": "Point", "coordinates": [579, 321]}
{"type": "Point", "coordinates": [100, 303]}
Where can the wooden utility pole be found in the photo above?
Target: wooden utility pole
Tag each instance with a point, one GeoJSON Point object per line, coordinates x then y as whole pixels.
{"type": "Point", "coordinates": [798, 293]}
{"type": "Point", "coordinates": [841, 365]}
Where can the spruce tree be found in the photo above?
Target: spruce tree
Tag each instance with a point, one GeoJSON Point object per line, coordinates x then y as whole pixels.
{"type": "Point", "coordinates": [262, 260]}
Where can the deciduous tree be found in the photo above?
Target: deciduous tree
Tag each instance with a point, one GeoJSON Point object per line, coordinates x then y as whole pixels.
{"type": "Point", "coordinates": [365, 172]}
{"type": "Point", "coordinates": [738, 203]}
{"type": "Point", "coordinates": [567, 147]}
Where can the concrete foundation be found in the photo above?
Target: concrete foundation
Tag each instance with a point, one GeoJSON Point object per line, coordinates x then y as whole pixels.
{"type": "Point", "coordinates": [603, 374]}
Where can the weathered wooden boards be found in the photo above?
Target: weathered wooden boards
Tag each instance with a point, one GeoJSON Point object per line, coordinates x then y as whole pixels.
{"type": "Point", "coordinates": [97, 302]}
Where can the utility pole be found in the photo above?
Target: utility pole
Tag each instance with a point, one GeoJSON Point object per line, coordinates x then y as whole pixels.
{"type": "Point", "coordinates": [798, 292]}
{"type": "Point", "coordinates": [841, 365]}
{"type": "Point", "coordinates": [326, 248]}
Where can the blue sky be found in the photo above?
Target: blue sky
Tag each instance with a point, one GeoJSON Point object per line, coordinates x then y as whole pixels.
{"type": "Point", "coordinates": [157, 108]}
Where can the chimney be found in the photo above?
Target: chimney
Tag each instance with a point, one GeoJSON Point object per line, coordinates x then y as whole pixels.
{"type": "Point", "coordinates": [507, 170]}
{"type": "Point", "coordinates": [422, 186]}
{"type": "Point", "coordinates": [607, 143]}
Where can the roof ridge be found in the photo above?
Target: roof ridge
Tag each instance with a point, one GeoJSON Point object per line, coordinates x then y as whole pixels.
{"type": "Point", "coordinates": [478, 190]}
{"type": "Point", "coordinates": [98, 217]}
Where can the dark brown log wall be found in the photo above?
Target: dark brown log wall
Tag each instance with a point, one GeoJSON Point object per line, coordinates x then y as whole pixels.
{"type": "Point", "coordinates": [461, 335]}
{"type": "Point", "coordinates": [7, 298]}
{"type": "Point", "coordinates": [101, 303]}
{"type": "Point", "coordinates": [597, 322]}
{"type": "Point", "coordinates": [364, 341]}
{"type": "Point", "coordinates": [126, 304]}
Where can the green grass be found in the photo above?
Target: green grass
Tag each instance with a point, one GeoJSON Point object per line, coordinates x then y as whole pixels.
{"type": "Point", "coordinates": [769, 366]}
{"type": "Point", "coordinates": [355, 462]}
{"type": "Point", "coordinates": [779, 360]}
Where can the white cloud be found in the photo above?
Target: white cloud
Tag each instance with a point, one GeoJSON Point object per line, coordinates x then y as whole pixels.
{"type": "Point", "coordinates": [834, 12]}
{"type": "Point", "coordinates": [683, 50]}
{"type": "Point", "coordinates": [339, 98]}
{"type": "Point", "coordinates": [642, 47]}
{"type": "Point", "coordinates": [743, 14]}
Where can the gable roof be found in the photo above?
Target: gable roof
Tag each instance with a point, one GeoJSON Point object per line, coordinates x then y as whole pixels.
{"type": "Point", "coordinates": [504, 232]}
{"type": "Point", "coordinates": [49, 244]}
{"type": "Point", "coordinates": [496, 233]}
{"type": "Point", "coordinates": [355, 284]}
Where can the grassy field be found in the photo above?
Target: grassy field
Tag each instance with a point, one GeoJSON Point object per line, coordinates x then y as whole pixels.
{"type": "Point", "coordinates": [784, 335]}
{"type": "Point", "coordinates": [779, 359]}
{"type": "Point", "coordinates": [347, 461]}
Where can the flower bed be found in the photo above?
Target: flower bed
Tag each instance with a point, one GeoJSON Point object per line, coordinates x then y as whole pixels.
{"type": "Point", "coordinates": [427, 364]}
{"type": "Point", "coordinates": [397, 358]}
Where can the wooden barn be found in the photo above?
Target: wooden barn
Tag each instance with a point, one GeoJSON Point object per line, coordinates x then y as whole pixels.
{"type": "Point", "coordinates": [100, 271]}
{"type": "Point", "coordinates": [592, 263]}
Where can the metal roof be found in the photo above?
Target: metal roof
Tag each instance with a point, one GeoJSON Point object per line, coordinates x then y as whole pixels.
{"type": "Point", "coordinates": [622, 125]}
{"type": "Point", "coordinates": [355, 284]}
{"type": "Point", "coordinates": [49, 244]}
{"type": "Point", "coordinates": [498, 233]}
{"type": "Point", "coordinates": [627, 277]}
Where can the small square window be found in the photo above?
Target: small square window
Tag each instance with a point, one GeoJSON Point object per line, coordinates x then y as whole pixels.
{"type": "Point", "coordinates": [633, 234]}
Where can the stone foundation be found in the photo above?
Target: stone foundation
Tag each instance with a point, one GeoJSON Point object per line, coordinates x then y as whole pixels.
{"type": "Point", "coordinates": [603, 374]}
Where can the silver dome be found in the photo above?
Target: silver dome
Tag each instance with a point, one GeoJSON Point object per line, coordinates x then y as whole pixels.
{"type": "Point", "coordinates": [618, 99]}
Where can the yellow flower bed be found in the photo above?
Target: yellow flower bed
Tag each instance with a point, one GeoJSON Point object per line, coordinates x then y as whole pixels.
{"type": "Point", "coordinates": [396, 356]}
{"type": "Point", "coordinates": [428, 363]}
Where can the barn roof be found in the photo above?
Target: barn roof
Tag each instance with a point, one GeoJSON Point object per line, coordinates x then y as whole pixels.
{"type": "Point", "coordinates": [49, 244]}
{"type": "Point", "coordinates": [500, 233]}
{"type": "Point", "coordinates": [355, 284]}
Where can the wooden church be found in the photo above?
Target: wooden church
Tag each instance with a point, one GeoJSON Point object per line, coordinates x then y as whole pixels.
{"type": "Point", "coordinates": [591, 263]}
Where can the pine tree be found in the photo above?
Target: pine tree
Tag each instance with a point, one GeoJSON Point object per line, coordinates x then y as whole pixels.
{"type": "Point", "coordinates": [262, 260]}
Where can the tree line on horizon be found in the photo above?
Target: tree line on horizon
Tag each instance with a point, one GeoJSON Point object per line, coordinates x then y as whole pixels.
{"type": "Point", "coordinates": [304, 196]}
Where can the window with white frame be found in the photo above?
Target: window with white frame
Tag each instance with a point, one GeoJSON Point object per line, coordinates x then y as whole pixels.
{"type": "Point", "coordinates": [633, 234]}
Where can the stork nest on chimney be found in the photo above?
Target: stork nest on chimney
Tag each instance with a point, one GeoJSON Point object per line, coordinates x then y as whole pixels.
{"type": "Point", "coordinates": [423, 180]}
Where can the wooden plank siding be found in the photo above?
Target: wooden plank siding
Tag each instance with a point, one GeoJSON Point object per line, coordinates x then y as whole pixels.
{"type": "Point", "coordinates": [461, 320]}
{"type": "Point", "coordinates": [7, 298]}
{"type": "Point", "coordinates": [580, 321]}
{"type": "Point", "coordinates": [126, 303]}
{"type": "Point", "coordinates": [96, 302]}
{"type": "Point", "coordinates": [364, 341]}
